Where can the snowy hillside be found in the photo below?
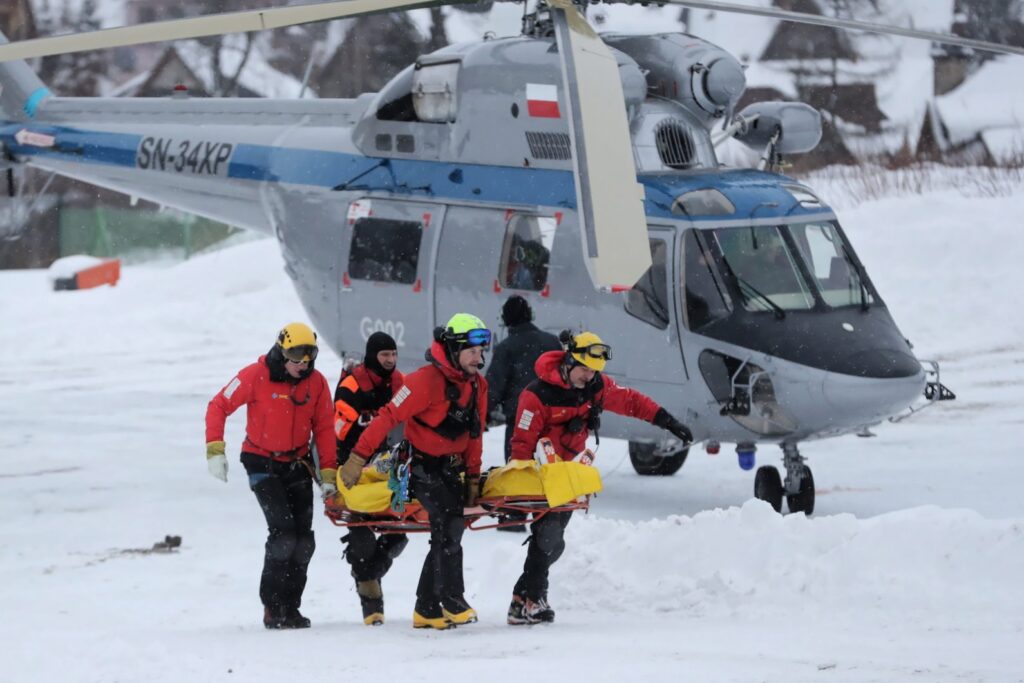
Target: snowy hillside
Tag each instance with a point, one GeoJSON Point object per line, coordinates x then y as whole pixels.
{"type": "Point", "coordinates": [910, 569]}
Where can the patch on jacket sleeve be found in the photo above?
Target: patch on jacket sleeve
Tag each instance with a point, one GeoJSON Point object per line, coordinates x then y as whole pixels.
{"type": "Point", "coordinates": [232, 387]}
{"type": "Point", "coordinates": [525, 419]}
{"type": "Point", "coordinates": [400, 397]}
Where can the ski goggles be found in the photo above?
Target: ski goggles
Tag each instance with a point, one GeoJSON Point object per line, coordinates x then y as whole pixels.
{"type": "Point", "coordinates": [477, 337]}
{"type": "Point", "coordinates": [602, 351]}
{"type": "Point", "coordinates": [300, 354]}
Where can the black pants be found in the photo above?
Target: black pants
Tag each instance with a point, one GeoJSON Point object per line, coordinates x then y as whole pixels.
{"type": "Point", "coordinates": [285, 494]}
{"type": "Point", "coordinates": [545, 547]}
{"type": "Point", "coordinates": [435, 483]}
{"type": "Point", "coordinates": [369, 556]}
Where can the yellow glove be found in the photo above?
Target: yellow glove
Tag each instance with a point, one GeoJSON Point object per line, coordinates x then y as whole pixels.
{"type": "Point", "coordinates": [352, 470]}
{"type": "Point", "coordinates": [328, 483]}
{"type": "Point", "coordinates": [216, 462]}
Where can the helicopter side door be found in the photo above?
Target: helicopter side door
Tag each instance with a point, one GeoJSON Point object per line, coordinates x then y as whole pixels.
{"type": "Point", "coordinates": [652, 305]}
{"type": "Point", "coordinates": [487, 255]}
{"type": "Point", "coordinates": [387, 274]}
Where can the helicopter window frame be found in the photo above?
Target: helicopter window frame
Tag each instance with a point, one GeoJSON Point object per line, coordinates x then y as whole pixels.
{"type": "Point", "coordinates": [695, 252]}
{"type": "Point", "coordinates": [648, 299]}
{"type": "Point", "coordinates": [515, 269]}
{"type": "Point", "coordinates": [759, 294]}
{"type": "Point", "coordinates": [859, 290]}
{"type": "Point", "coordinates": [396, 99]}
{"type": "Point", "coordinates": [399, 240]}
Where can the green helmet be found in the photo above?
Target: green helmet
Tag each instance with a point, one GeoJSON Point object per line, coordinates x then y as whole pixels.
{"type": "Point", "coordinates": [462, 323]}
{"type": "Point", "coordinates": [464, 330]}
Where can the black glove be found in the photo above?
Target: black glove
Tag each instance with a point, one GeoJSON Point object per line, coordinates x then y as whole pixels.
{"type": "Point", "coordinates": [670, 424]}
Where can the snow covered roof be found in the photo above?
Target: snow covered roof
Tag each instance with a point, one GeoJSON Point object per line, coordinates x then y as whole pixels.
{"type": "Point", "coordinates": [991, 103]}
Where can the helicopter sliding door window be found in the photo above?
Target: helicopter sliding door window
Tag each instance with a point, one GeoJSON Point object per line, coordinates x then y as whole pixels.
{"type": "Point", "coordinates": [648, 299]}
{"type": "Point", "coordinates": [706, 297]}
{"type": "Point", "coordinates": [526, 251]}
{"type": "Point", "coordinates": [830, 262]}
{"type": "Point", "coordinates": [764, 270]}
{"type": "Point", "coordinates": [385, 250]}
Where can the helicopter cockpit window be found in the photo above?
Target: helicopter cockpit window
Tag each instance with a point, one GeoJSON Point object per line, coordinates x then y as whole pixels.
{"type": "Point", "coordinates": [707, 299]}
{"type": "Point", "coordinates": [831, 263]}
{"type": "Point", "coordinates": [385, 250]}
{"type": "Point", "coordinates": [648, 300]}
{"type": "Point", "coordinates": [763, 268]}
{"type": "Point", "coordinates": [706, 202]}
{"type": "Point", "coordinates": [527, 251]}
{"type": "Point", "coordinates": [396, 99]}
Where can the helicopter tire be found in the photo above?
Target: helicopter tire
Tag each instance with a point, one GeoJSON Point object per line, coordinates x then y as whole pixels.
{"type": "Point", "coordinates": [646, 463]}
{"type": "Point", "coordinates": [768, 486]}
{"type": "Point", "coordinates": [803, 500]}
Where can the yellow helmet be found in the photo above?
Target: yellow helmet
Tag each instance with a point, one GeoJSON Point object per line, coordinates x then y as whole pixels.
{"type": "Point", "coordinates": [586, 348]}
{"type": "Point", "coordinates": [297, 342]}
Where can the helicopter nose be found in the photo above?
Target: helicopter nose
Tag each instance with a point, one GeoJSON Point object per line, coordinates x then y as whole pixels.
{"type": "Point", "coordinates": [872, 385]}
{"type": "Point", "coordinates": [880, 363]}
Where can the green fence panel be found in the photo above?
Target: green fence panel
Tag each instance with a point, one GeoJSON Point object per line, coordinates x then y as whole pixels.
{"type": "Point", "coordinates": [105, 231]}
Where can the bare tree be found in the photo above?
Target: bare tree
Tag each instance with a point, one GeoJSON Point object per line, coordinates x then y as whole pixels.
{"type": "Point", "coordinates": [76, 74]}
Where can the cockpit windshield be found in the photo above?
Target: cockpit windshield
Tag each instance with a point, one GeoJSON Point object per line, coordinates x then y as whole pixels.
{"type": "Point", "coordinates": [775, 268]}
{"type": "Point", "coordinates": [836, 275]}
{"type": "Point", "coordinates": [763, 267]}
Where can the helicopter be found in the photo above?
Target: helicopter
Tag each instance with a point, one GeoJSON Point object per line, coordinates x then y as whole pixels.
{"type": "Point", "coordinates": [576, 170]}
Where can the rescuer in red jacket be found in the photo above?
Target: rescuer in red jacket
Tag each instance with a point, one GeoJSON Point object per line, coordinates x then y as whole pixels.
{"type": "Point", "coordinates": [444, 408]}
{"type": "Point", "coordinates": [564, 404]}
{"type": "Point", "coordinates": [287, 402]}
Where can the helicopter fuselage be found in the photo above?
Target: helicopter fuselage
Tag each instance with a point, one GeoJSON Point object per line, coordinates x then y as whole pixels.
{"type": "Point", "coordinates": [452, 188]}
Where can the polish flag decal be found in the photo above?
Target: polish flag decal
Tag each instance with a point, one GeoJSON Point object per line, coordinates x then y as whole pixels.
{"type": "Point", "coordinates": [542, 101]}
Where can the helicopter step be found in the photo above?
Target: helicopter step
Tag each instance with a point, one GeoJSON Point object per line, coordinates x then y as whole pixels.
{"type": "Point", "coordinates": [798, 487]}
{"type": "Point", "coordinates": [657, 459]}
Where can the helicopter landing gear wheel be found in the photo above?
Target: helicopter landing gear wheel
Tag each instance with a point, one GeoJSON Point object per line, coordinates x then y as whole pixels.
{"type": "Point", "coordinates": [768, 486]}
{"type": "Point", "coordinates": [803, 499]}
{"type": "Point", "coordinates": [649, 460]}
{"type": "Point", "coordinates": [799, 485]}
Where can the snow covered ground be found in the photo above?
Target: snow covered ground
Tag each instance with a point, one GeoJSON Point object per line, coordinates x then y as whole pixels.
{"type": "Point", "coordinates": [911, 568]}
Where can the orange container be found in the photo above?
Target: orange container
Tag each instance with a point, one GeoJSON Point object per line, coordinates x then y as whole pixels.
{"type": "Point", "coordinates": [106, 273]}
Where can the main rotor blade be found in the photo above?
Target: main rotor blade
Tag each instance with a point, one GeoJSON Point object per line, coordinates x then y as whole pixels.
{"type": "Point", "coordinates": [209, 25]}
{"type": "Point", "coordinates": [610, 200]}
{"type": "Point", "coordinates": [850, 24]}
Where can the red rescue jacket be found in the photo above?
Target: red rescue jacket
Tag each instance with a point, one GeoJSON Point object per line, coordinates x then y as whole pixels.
{"type": "Point", "coordinates": [548, 405]}
{"type": "Point", "coordinates": [280, 416]}
{"type": "Point", "coordinates": [422, 404]}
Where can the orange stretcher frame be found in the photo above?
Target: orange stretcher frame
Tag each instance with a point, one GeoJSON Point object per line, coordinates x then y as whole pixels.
{"type": "Point", "coordinates": [414, 518]}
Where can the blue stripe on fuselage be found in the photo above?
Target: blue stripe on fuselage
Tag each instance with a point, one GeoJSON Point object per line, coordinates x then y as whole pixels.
{"type": "Point", "coordinates": [754, 193]}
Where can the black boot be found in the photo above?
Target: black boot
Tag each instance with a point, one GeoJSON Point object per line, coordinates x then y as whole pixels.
{"type": "Point", "coordinates": [274, 618]}
{"type": "Point", "coordinates": [294, 619]}
{"type": "Point", "coordinates": [372, 600]}
{"type": "Point", "coordinates": [526, 611]}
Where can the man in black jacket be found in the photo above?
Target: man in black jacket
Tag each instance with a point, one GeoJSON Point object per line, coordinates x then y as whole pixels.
{"type": "Point", "coordinates": [363, 390]}
{"type": "Point", "coordinates": [511, 367]}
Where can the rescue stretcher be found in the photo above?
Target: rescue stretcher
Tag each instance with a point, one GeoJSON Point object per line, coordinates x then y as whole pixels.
{"type": "Point", "coordinates": [520, 487]}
